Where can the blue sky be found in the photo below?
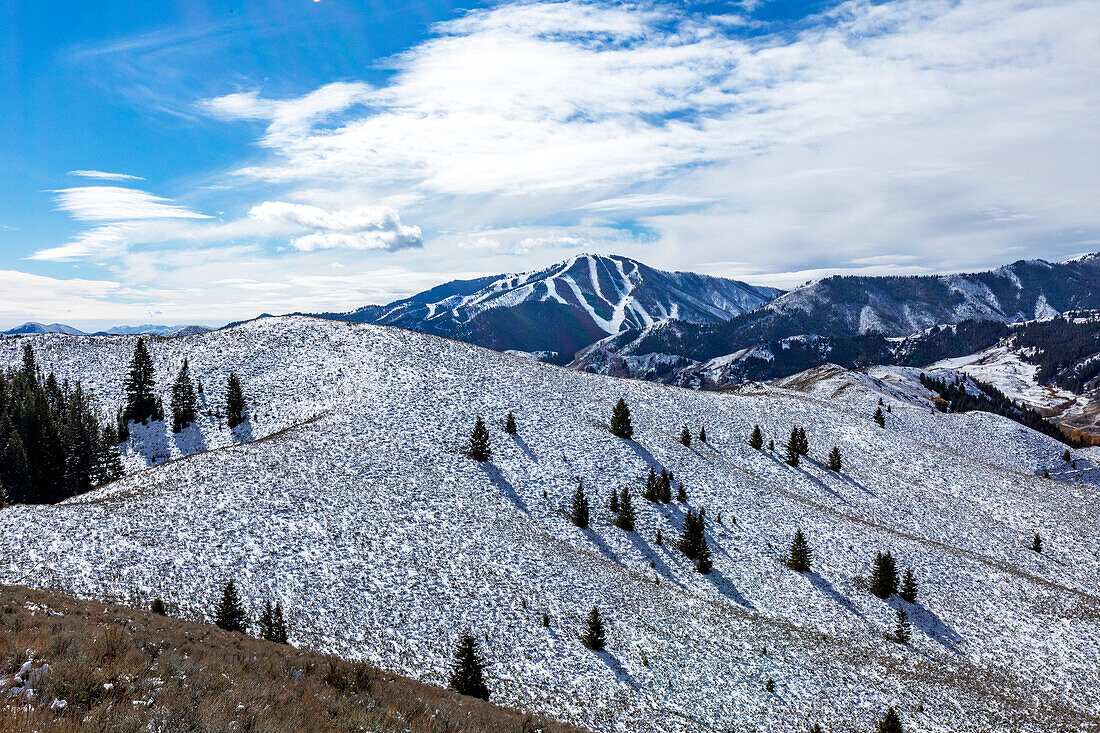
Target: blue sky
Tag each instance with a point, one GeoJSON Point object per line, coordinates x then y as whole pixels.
{"type": "Point", "coordinates": [203, 162]}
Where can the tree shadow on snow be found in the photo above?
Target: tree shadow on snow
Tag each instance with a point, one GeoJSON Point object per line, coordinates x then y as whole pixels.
{"type": "Point", "coordinates": [497, 477]}
{"type": "Point", "coordinates": [243, 432]}
{"type": "Point", "coordinates": [617, 667]}
{"type": "Point", "coordinates": [645, 455]}
{"type": "Point", "coordinates": [827, 588]}
{"type": "Point", "coordinates": [518, 440]}
{"type": "Point", "coordinates": [150, 441]}
{"type": "Point", "coordinates": [929, 624]}
{"type": "Point", "coordinates": [658, 562]}
{"type": "Point", "coordinates": [726, 587]}
{"type": "Point", "coordinates": [602, 546]}
{"type": "Point", "coordinates": [190, 440]}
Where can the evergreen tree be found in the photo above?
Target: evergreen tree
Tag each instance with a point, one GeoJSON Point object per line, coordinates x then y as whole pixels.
{"type": "Point", "coordinates": [594, 637]}
{"type": "Point", "coordinates": [1066, 456]}
{"type": "Point", "coordinates": [158, 608]}
{"type": "Point", "coordinates": [704, 564]}
{"type": "Point", "coordinates": [652, 490]}
{"type": "Point", "coordinates": [884, 577]}
{"type": "Point", "coordinates": [272, 624]}
{"type": "Point", "coordinates": [123, 425]}
{"type": "Point", "coordinates": [30, 368]}
{"type": "Point", "coordinates": [702, 434]}
{"type": "Point", "coordinates": [908, 590]}
{"type": "Point", "coordinates": [141, 399]}
{"type": "Point", "coordinates": [1037, 544]}
{"type": "Point", "coordinates": [756, 440]}
{"type": "Point", "coordinates": [229, 613]}
{"type": "Point", "coordinates": [579, 515]}
{"type": "Point", "coordinates": [902, 632]}
{"type": "Point", "coordinates": [685, 436]}
{"type": "Point", "coordinates": [15, 471]}
{"type": "Point", "coordinates": [183, 400]}
{"type": "Point", "coordinates": [510, 424]}
{"type": "Point", "coordinates": [626, 516]}
{"type": "Point", "coordinates": [681, 494]}
{"type": "Point", "coordinates": [771, 445]}
{"type": "Point", "coordinates": [800, 555]}
{"type": "Point", "coordinates": [613, 504]}
{"type": "Point", "coordinates": [234, 402]}
{"type": "Point", "coordinates": [880, 418]}
{"type": "Point", "coordinates": [108, 462]}
{"type": "Point", "coordinates": [890, 723]}
{"type": "Point", "coordinates": [479, 448]}
{"type": "Point", "coordinates": [693, 539]}
{"type": "Point", "coordinates": [620, 421]}
{"type": "Point", "coordinates": [835, 463]}
{"type": "Point", "coordinates": [660, 539]}
{"type": "Point", "coordinates": [793, 448]}
{"type": "Point", "coordinates": [468, 675]}
{"type": "Point", "coordinates": [664, 485]}
{"type": "Point", "coordinates": [803, 442]}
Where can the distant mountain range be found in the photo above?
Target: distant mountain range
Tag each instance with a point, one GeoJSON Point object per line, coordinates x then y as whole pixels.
{"type": "Point", "coordinates": [564, 308]}
{"type": "Point", "coordinates": [37, 328]}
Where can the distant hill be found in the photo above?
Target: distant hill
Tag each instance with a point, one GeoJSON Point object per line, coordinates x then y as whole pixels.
{"type": "Point", "coordinates": [39, 328]}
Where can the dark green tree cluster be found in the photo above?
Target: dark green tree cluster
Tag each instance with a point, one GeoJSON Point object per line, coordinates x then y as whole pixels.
{"type": "Point", "coordinates": [685, 437]}
{"type": "Point", "coordinates": [800, 555]}
{"type": "Point", "coordinates": [880, 417]}
{"type": "Point", "coordinates": [272, 623]}
{"type": "Point", "coordinates": [884, 576]}
{"type": "Point", "coordinates": [468, 674]}
{"type": "Point", "coordinates": [798, 445]}
{"type": "Point", "coordinates": [693, 540]}
{"type": "Point", "coordinates": [479, 448]}
{"type": "Point", "coordinates": [625, 515]}
{"type": "Point", "coordinates": [52, 443]}
{"type": "Point", "coordinates": [142, 403]}
{"type": "Point", "coordinates": [620, 421]}
{"type": "Point", "coordinates": [183, 403]}
{"type": "Point", "coordinates": [579, 513]}
{"type": "Point", "coordinates": [658, 486]}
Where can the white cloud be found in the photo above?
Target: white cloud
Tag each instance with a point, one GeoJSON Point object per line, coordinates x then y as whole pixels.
{"type": "Point", "coordinates": [365, 227]}
{"type": "Point", "coordinates": [101, 175]}
{"type": "Point", "coordinates": [113, 203]}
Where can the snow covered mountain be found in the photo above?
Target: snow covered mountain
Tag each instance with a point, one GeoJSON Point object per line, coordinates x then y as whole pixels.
{"type": "Point", "coordinates": [34, 328]}
{"type": "Point", "coordinates": [847, 320]}
{"type": "Point", "coordinates": [566, 306]}
{"type": "Point", "coordinates": [39, 328]}
{"type": "Point", "coordinates": [348, 497]}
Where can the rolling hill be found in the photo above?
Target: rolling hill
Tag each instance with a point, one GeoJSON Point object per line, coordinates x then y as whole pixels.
{"type": "Point", "coordinates": [349, 498]}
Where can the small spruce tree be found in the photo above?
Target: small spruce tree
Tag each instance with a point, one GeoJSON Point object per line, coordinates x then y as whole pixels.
{"type": "Point", "coordinates": [594, 637]}
{"type": "Point", "coordinates": [272, 624]}
{"type": "Point", "coordinates": [702, 435]}
{"type": "Point", "coordinates": [468, 675]}
{"type": "Point", "coordinates": [685, 436]}
{"type": "Point", "coordinates": [681, 494]}
{"type": "Point", "coordinates": [229, 613]}
{"type": "Point", "coordinates": [793, 448]}
{"type": "Point", "coordinates": [510, 423]}
{"type": "Point", "coordinates": [884, 577]}
{"type": "Point", "coordinates": [880, 418]}
{"type": "Point", "coordinates": [835, 462]}
{"type": "Point", "coordinates": [890, 723]}
{"type": "Point", "coordinates": [800, 555]}
{"type": "Point", "coordinates": [756, 440]}
{"type": "Point", "coordinates": [626, 517]}
{"type": "Point", "coordinates": [659, 539]}
{"type": "Point", "coordinates": [183, 400]}
{"type": "Point", "coordinates": [704, 564]}
{"type": "Point", "coordinates": [693, 539]}
{"type": "Point", "coordinates": [908, 591]}
{"type": "Point", "coordinates": [579, 514]}
{"type": "Point", "coordinates": [140, 384]}
{"type": "Point", "coordinates": [158, 608]}
{"type": "Point", "coordinates": [652, 491]}
{"type": "Point", "coordinates": [620, 420]}
{"type": "Point", "coordinates": [902, 632]}
{"type": "Point", "coordinates": [664, 485]}
{"type": "Point", "coordinates": [234, 402]}
{"type": "Point", "coordinates": [1037, 544]}
{"type": "Point", "coordinates": [479, 448]}
{"type": "Point", "coordinates": [613, 504]}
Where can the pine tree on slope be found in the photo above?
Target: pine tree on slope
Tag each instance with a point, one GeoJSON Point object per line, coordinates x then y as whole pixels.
{"type": "Point", "coordinates": [880, 418]}
{"type": "Point", "coordinates": [1037, 544]}
{"type": "Point", "coordinates": [792, 447]}
{"type": "Point", "coordinates": [884, 577]}
{"type": "Point", "coordinates": [664, 486]}
{"type": "Point", "coordinates": [510, 424]}
{"type": "Point", "coordinates": [468, 675]}
{"type": "Point", "coordinates": [183, 400]}
{"type": "Point", "coordinates": [703, 434]}
{"type": "Point", "coordinates": [890, 723]}
{"type": "Point", "coordinates": [800, 555]}
{"type": "Point", "coordinates": [652, 491]}
{"type": "Point", "coordinates": [594, 636]}
{"type": "Point", "coordinates": [579, 514]}
{"type": "Point", "coordinates": [234, 402]}
{"type": "Point", "coordinates": [756, 440]}
{"type": "Point", "coordinates": [626, 517]}
{"type": "Point", "coordinates": [835, 462]}
{"type": "Point", "coordinates": [902, 631]}
{"type": "Point", "coordinates": [613, 503]}
{"type": "Point", "coordinates": [141, 400]}
{"type": "Point", "coordinates": [479, 448]}
{"type": "Point", "coordinates": [620, 421]}
{"type": "Point", "coordinates": [229, 613]}
{"type": "Point", "coordinates": [685, 437]}
{"type": "Point", "coordinates": [908, 590]}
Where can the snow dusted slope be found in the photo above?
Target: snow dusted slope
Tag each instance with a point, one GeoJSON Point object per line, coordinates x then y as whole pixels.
{"type": "Point", "coordinates": [385, 542]}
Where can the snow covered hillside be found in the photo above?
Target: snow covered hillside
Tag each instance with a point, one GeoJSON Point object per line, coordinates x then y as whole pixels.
{"type": "Point", "coordinates": [355, 506]}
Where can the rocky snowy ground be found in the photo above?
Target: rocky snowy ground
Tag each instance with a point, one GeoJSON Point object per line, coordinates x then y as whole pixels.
{"type": "Point", "coordinates": [348, 498]}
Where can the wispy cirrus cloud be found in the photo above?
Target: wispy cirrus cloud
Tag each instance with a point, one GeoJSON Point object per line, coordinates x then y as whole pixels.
{"type": "Point", "coordinates": [114, 203]}
{"type": "Point", "coordinates": [104, 176]}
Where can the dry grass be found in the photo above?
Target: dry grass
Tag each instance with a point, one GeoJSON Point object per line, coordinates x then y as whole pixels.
{"type": "Point", "coordinates": [120, 669]}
